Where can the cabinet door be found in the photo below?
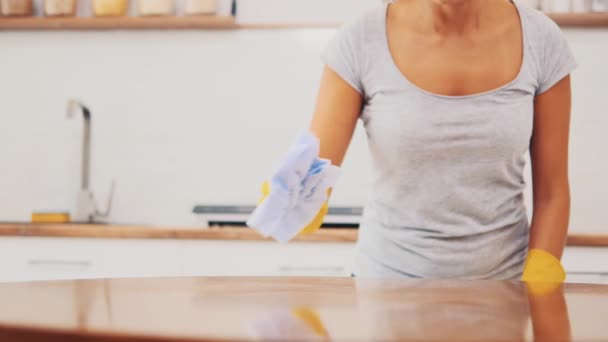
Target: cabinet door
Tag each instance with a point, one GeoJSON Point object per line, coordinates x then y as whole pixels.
{"type": "Point", "coordinates": [586, 265]}
{"type": "Point", "coordinates": [45, 259]}
{"type": "Point", "coordinates": [126, 258]}
{"type": "Point", "coordinates": [229, 258]}
{"type": "Point", "coordinates": [585, 278]}
{"type": "Point", "coordinates": [7, 267]}
{"type": "Point", "coordinates": [586, 259]}
{"type": "Point", "coordinates": [246, 258]}
{"type": "Point", "coordinates": [25, 259]}
{"type": "Point", "coordinates": [316, 259]}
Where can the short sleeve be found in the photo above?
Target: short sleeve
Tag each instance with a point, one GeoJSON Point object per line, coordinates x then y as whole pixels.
{"type": "Point", "coordinates": [341, 56]}
{"type": "Point", "coordinates": [557, 60]}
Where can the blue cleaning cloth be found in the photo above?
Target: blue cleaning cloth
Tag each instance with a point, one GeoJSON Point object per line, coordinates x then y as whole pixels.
{"type": "Point", "coordinates": [298, 190]}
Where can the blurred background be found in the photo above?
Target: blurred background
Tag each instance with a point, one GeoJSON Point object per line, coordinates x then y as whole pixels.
{"type": "Point", "coordinates": [194, 102]}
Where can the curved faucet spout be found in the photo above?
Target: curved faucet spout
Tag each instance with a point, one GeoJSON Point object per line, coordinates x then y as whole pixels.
{"type": "Point", "coordinates": [73, 107]}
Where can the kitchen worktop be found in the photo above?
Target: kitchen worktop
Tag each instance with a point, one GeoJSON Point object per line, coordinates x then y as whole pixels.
{"type": "Point", "coordinates": [283, 309]}
{"type": "Point", "coordinates": [153, 232]}
{"type": "Point", "coordinates": [223, 233]}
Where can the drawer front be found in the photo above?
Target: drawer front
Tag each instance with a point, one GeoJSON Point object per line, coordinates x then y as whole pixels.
{"type": "Point", "coordinates": [585, 260]}
{"type": "Point", "coordinates": [587, 278]}
{"type": "Point", "coordinates": [586, 265]}
{"type": "Point", "coordinates": [27, 259]}
{"type": "Point", "coordinates": [139, 258]}
{"type": "Point", "coordinates": [228, 258]}
{"type": "Point", "coordinates": [316, 259]}
{"type": "Point", "coordinates": [45, 259]}
{"type": "Point", "coordinates": [53, 269]}
{"type": "Point", "coordinates": [244, 258]}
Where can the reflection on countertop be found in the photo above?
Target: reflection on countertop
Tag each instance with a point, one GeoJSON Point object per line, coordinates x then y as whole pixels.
{"type": "Point", "coordinates": [337, 309]}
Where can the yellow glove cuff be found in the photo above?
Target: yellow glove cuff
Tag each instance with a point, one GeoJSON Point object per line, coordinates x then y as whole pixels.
{"type": "Point", "coordinates": [314, 225]}
{"type": "Point", "coordinates": [542, 266]}
{"type": "Point", "coordinates": [543, 272]}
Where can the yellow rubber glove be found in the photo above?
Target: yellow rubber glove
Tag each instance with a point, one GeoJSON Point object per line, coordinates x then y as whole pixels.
{"type": "Point", "coordinates": [543, 272]}
{"type": "Point", "coordinates": [314, 225]}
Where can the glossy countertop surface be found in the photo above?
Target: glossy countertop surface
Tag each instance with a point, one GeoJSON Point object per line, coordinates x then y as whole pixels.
{"type": "Point", "coordinates": [283, 309]}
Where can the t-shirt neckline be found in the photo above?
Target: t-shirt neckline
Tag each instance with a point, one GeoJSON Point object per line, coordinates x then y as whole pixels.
{"type": "Point", "coordinates": [393, 64]}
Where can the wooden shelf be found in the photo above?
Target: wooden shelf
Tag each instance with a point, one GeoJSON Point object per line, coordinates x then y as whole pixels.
{"type": "Point", "coordinates": [118, 23]}
{"type": "Point", "coordinates": [217, 22]}
{"type": "Point", "coordinates": [588, 20]}
{"type": "Point", "coordinates": [580, 19]}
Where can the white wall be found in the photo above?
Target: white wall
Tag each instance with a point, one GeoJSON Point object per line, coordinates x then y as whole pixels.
{"type": "Point", "coordinates": [184, 118]}
{"type": "Point", "coordinates": [588, 158]}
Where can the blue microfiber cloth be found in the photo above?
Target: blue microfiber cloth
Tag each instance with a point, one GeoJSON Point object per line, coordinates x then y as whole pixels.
{"type": "Point", "coordinates": [298, 189]}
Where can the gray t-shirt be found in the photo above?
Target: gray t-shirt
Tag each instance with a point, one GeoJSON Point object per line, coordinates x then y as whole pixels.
{"type": "Point", "coordinates": [448, 180]}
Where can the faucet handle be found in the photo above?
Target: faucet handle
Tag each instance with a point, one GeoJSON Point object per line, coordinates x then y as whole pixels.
{"type": "Point", "coordinates": [105, 213]}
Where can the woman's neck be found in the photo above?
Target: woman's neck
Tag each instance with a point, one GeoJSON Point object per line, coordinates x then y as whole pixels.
{"type": "Point", "coordinates": [451, 17]}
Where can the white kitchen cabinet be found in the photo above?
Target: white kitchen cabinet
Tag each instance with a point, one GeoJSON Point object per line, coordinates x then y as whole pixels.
{"type": "Point", "coordinates": [586, 265]}
{"type": "Point", "coordinates": [226, 258]}
{"type": "Point", "coordinates": [587, 278]}
{"type": "Point", "coordinates": [24, 259]}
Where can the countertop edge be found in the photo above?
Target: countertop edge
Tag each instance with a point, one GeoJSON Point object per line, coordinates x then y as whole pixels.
{"type": "Point", "coordinates": [108, 231]}
{"type": "Point", "coordinates": [152, 232]}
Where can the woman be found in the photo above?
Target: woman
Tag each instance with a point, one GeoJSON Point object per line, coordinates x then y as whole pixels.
{"type": "Point", "coordinates": [452, 93]}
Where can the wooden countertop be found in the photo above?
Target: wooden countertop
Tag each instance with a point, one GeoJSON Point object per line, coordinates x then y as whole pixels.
{"type": "Point", "coordinates": [151, 232]}
{"type": "Point", "coordinates": [225, 233]}
{"type": "Point", "coordinates": [284, 309]}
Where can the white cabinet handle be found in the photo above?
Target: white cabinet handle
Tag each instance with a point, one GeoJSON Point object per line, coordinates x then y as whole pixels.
{"type": "Point", "coordinates": [587, 273]}
{"type": "Point", "coordinates": [59, 262]}
{"type": "Point", "coordinates": [311, 268]}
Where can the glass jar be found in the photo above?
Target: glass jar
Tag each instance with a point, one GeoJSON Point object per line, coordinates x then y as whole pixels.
{"type": "Point", "coordinates": [17, 7]}
{"type": "Point", "coordinates": [556, 6]}
{"type": "Point", "coordinates": [599, 6]}
{"type": "Point", "coordinates": [155, 7]}
{"type": "Point", "coordinates": [200, 7]}
{"type": "Point", "coordinates": [581, 6]}
{"type": "Point", "coordinates": [65, 8]}
{"type": "Point", "coordinates": [110, 8]}
{"type": "Point", "coordinates": [532, 3]}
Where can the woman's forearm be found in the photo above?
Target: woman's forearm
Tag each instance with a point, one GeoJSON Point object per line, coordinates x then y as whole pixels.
{"type": "Point", "coordinates": [550, 219]}
{"type": "Point", "coordinates": [549, 157]}
{"type": "Point", "coordinates": [336, 113]}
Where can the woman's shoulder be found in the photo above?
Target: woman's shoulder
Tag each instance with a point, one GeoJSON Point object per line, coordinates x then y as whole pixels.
{"type": "Point", "coordinates": [537, 24]}
{"type": "Point", "coordinates": [352, 48]}
{"type": "Point", "coordinates": [551, 55]}
{"type": "Point", "coordinates": [366, 26]}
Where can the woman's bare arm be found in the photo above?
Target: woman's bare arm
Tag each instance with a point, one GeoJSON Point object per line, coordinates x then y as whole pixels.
{"type": "Point", "coordinates": [549, 153]}
{"type": "Point", "coordinates": [335, 118]}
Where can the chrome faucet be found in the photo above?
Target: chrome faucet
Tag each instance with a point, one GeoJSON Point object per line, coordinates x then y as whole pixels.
{"type": "Point", "coordinates": [87, 209]}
